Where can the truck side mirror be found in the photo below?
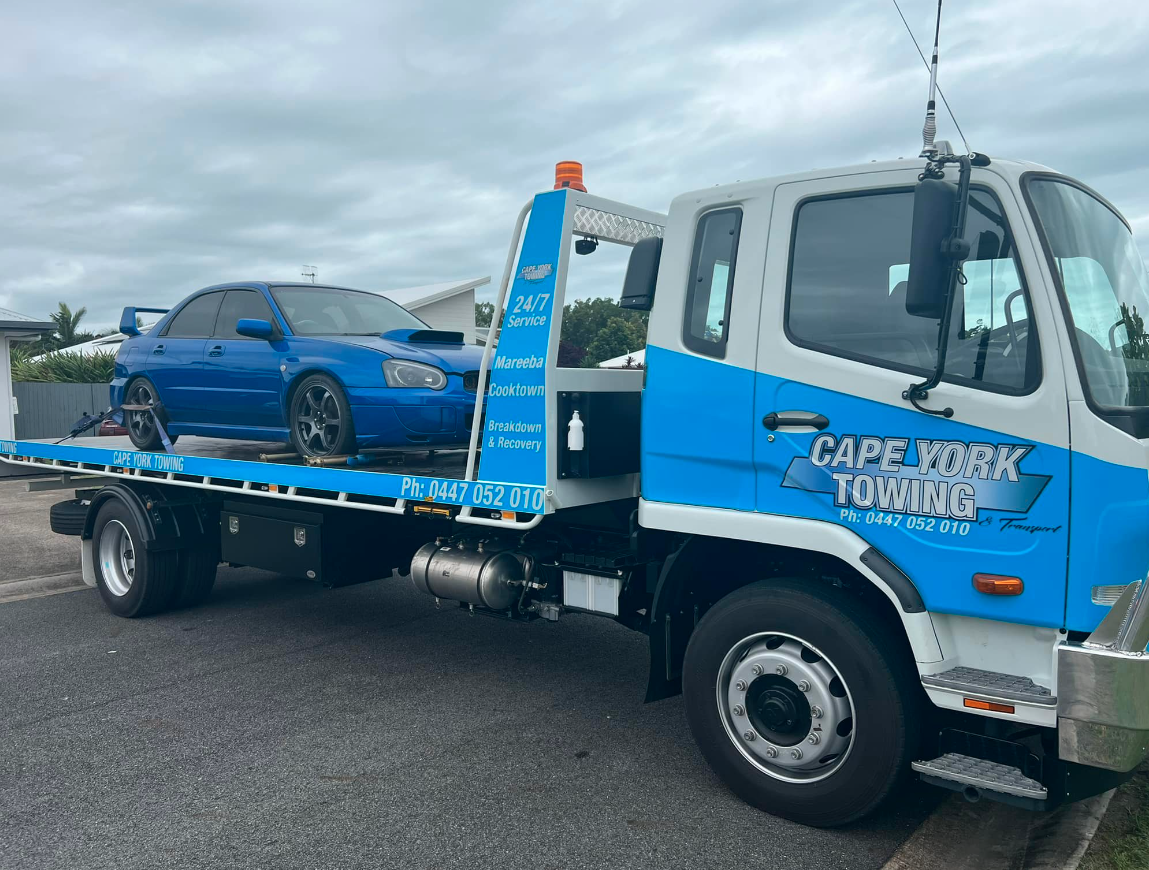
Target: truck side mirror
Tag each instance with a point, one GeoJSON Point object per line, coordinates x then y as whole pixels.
{"type": "Point", "coordinates": [931, 264]}
{"type": "Point", "coordinates": [641, 275]}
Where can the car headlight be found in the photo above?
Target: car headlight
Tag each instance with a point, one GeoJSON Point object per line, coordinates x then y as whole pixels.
{"type": "Point", "coordinates": [404, 373]}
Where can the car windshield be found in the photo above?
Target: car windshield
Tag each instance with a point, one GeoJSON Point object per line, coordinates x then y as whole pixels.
{"type": "Point", "coordinates": [330, 311]}
{"type": "Point", "coordinates": [1105, 287]}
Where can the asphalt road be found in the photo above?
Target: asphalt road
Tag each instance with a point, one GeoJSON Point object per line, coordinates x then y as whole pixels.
{"type": "Point", "coordinates": [284, 725]}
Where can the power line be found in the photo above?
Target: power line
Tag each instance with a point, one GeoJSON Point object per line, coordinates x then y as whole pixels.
{"type": "Point", "coordinates": [941, 93]}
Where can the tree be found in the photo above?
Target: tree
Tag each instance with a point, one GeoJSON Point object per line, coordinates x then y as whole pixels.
{"type": "Point", "coordinates": [67, 327]}
{"type": "Point", "coordinates": [602, 329]}
{"type": "Point", "coordinates": [617, 338]}
{"type": "Point", "coordinates": [570, 355]}
{"type": "Point", "coordinates": [67, 322]}
{"type": "Point", "coordinates": [484, 313]}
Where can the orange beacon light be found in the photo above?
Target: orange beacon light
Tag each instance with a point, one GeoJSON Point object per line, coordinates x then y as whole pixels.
{"type": "Point", "coordinates": [568, 173]}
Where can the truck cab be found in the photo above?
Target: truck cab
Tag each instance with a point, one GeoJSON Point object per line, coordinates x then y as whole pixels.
{"type": "Point", "coordinates": [1004, 527]}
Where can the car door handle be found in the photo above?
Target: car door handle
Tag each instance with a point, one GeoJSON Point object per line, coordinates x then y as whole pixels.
{"type": "Point", "coordinates": [158, 350]}
{"type": "Point", "coordinates": [217, 350]}
{"type": "Point", "coordinates": [795, 420]}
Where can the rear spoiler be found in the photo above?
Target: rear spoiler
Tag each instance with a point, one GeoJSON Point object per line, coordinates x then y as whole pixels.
{"type": "Point", "coordinates": [424, 336]}
{"type": "Point", "coordinates": [128, 318]}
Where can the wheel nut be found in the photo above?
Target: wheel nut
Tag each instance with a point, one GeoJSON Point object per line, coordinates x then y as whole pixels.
{"type": "Point", "coordinates": [813, 739]}
{"type": "Point", "coordinates": [749, 735]}
{"type": "Point", "coordinates": [780, 670]}
{"type": "Point", "coordinates": [757, 669]}
{"type": "Point", "coordinates": [816, 712]}
{"type": "Point", "coordinates": [796, 754]}
{"type": "Point", "coordinates": [740, 685]}
{"type": "Point", "coordinates": [771, 752]}
{"type": "Point", "coordinates": [803, 686]}
{"type": "Point", "coordinates": [739, 710]}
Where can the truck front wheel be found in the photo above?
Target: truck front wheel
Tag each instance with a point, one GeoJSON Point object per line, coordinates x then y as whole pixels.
{"type": "Point", "coordinates": [801, 700]}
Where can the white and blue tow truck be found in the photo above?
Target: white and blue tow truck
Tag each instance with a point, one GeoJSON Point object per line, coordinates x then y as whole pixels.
{"type": "Point", "coordinates": [879, 498]}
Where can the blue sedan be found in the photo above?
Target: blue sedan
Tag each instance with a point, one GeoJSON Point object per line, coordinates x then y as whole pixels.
{"type": "Point", "coordinates": [331, 369]}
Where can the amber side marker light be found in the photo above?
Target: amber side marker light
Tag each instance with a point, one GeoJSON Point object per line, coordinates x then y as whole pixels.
{"type": "Point", "coordinates": [996, 584]}
{"type": "Point", "coordinates": [975, 704]}
{"type": "Point", "coordinates": [568, 173]}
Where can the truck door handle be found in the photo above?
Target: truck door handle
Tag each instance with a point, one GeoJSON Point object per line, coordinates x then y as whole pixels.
{"type": "Point", "coordinates": [158, 350]}
{"type": "Point", "coordinates": [795, 420]}
{"type": "Point", "coordinates": [216, 351]}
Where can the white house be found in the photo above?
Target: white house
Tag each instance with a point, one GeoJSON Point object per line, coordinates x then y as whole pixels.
{"type": "Point", "coordinates": [449, 306]}
{"type": "Point", "coordinates": [14, 327]}
{"type": "Point", "coordinates": [621, 362]}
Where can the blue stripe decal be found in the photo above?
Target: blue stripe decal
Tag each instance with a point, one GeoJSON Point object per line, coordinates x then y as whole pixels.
{"type": "Point", "coordinates": [483, 494]}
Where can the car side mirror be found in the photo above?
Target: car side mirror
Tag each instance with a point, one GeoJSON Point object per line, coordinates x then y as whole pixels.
{"type": "Point", "coordinates": [641, 275]}
{"type": "Point", "coordinates": [931, 259]}
{"type": "Point", "coordinates": [253, 328]}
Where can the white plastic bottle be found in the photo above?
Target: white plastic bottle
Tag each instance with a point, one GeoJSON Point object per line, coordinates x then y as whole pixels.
{"type": "Point", "coordinates": [574, 433]}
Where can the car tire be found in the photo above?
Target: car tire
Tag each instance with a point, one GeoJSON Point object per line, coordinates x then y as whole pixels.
{"type": "Point", "coordinates": [68, 517]}
{"type": "Point", "coordinates": [320, 418]}
{"type": "Point", "coordinates": [141, 426]}
{"type": "Point", "coordinates": [132, 580]}
{"type": "Point", "coordinates": [831, 654]}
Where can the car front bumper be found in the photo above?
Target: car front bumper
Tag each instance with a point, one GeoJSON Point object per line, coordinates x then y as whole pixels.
{"type": "Point", "coordinates": [1103, 689]}
{"type": "Point", "coordinates": [421, 418]}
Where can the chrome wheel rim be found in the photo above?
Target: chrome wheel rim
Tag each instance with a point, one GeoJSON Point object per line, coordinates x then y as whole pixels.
{"type": "Point", "coordinates": [785, 707]}
{"type": "Point", "coordinates": [117, 558]}
{"type": "Point", "coordinates": [318, 422]}
{"type": "Point", "coordinates": [140, 423]}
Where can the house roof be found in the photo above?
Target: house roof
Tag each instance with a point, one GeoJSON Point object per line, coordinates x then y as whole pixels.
{"type": "Point", "coordinates": [14, 320]}
{"type": "Point", "coordinates": [416, 297]}
{"type": "Point", "coordinates": [619, 362]}
{"type": "Point", "coordinates": [106, 343]}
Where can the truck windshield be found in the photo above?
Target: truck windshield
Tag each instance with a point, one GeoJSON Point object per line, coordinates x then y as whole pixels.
{"type": "Point", "coordinates": [332, 311]}
{"type": "Point", "coordinates": [1105, 288]}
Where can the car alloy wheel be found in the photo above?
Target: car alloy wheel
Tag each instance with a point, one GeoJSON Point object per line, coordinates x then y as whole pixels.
{"type": "Point", "coordinates": [141, 424]}
{"type": "Point", "coordinates": [318, 422]}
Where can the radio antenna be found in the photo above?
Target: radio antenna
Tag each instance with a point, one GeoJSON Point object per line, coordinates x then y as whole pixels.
{"type": "Point", "coordinates": [933, 78]}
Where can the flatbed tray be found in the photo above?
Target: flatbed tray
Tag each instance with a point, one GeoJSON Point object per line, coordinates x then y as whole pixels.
{"type": "Point", "coordinates": [386, 484]}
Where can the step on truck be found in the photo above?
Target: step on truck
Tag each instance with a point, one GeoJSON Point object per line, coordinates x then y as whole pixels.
{"type": "Point", "coordinates": [879, 497]}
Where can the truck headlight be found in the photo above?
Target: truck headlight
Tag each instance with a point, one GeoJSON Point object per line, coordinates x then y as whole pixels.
{"type": "Point", "coordinates": [404, 373]}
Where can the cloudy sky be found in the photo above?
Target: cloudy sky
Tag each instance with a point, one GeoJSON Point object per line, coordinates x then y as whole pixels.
{"type": "Point", "coordinates": [151, 147]}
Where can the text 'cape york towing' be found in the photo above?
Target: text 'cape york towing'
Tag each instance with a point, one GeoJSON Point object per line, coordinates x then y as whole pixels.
{"type": "Point", "coordinates": [951, 478]}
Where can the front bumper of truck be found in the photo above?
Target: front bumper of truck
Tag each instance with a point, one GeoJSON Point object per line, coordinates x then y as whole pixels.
{"type": "Point", "coordinates": [1103, 689]}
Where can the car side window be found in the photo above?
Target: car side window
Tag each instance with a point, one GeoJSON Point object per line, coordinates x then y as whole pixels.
{"type": "Point", "coordinates": [706, 322]}
{"type": "Point", "coordinates": [239, 305]}
{"type": "Point", "coordinates": [196, 319]}
{"type": "Point", "coordinates": [847, 291]}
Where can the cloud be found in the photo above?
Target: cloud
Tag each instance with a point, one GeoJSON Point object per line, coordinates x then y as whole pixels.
{"type": "Point", "coordinates": [151, 149]}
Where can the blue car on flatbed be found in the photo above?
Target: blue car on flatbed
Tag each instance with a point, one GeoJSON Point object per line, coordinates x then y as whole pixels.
{"type": "Point", "coordinates": [330, 369]}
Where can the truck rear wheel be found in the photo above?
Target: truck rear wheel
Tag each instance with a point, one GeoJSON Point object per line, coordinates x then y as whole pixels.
{"type": "Point", "coordinates": [795, 705]}
{"type": "Point", "coordinates": [197, 570]}
{"type": "Point", "coordinates": [132, 581]}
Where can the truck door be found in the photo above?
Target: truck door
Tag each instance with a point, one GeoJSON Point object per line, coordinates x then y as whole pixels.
{"type": "Point", "coordinates": [697, 438]}
{"type": "Point", "coordinates": [983, 491]}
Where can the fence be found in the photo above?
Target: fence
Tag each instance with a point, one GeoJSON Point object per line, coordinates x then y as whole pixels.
{"type": "Point", "coordinates": [51, 410]}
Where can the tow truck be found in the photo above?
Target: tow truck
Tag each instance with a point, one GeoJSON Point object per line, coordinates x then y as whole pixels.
{"type": "Point", "coordinates": [879, 497]}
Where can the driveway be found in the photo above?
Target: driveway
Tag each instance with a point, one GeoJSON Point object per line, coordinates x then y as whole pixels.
{"type": "Point", "coordinates": [284, 725]}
